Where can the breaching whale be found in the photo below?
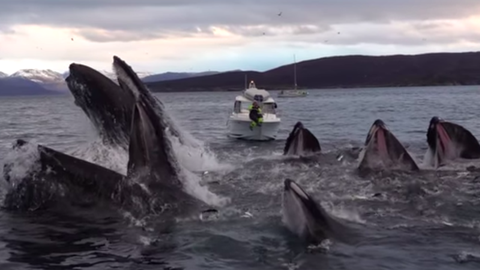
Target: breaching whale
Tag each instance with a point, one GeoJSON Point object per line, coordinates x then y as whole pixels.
{"type": "Point", "coordinates": [153, 183]}
{"type": "Point", "coordinates": [448, 141]}
{"type": "Point", "coordinates": [382, 150]}
{"type": "Point", "coordinates": [109, 105]}
{"type": "Point", "coordinates": [301, 141]}
{"type": "Point", "coordinates": [304, 217]}
{"type": "Point", "coordinates": [58, 171]}
{"type": "Point", "coordinates": [106, 104]}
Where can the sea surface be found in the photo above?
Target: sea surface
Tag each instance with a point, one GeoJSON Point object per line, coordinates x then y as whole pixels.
{"type": "Point", "coordinates": [428, 220]}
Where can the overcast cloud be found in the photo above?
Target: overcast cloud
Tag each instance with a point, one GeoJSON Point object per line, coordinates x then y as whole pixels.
{"type": "Point", "coordinates": [197, 30]}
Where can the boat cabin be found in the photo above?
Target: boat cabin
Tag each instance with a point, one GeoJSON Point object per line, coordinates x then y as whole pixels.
{"type": "Point", "coordinates": [262, 97]}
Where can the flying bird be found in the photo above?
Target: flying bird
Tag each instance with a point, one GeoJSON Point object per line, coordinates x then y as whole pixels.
{"type": "Point", "coordinates": [280, 14]}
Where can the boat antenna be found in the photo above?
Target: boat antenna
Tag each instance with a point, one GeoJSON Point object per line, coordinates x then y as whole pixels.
{"type": "Point", "coordinates": [245, 80]}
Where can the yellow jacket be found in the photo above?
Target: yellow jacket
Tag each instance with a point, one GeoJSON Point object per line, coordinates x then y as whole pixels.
{"type": "Point", "coordinates": [251, 108]}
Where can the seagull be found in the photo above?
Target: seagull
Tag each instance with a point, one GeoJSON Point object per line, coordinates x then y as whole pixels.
{"type": "Point", "coordinates": [280, 14]}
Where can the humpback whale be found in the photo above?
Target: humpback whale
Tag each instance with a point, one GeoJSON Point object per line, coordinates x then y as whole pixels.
{"type": "Point", "coordinates": [304, 217]}
{"type": "Point", "coordinates": [383, 150]}
{"type": "Point", "coordinates": [59, 169]}
{"type": "Point", "coordinates": [109, 105]}
{"type": "Point", "coordinates": [301, 141]}
{"type": "Point", "coordinates": [153, 183]}
{"type": "Point", "coordinates": [448, 141]}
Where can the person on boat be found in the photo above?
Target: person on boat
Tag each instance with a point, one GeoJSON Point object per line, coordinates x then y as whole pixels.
{"type": "Point", "coordinates": [255, 115]}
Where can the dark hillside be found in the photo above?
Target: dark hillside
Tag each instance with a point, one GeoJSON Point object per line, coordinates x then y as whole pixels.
{"type": "Point", "coordinates": [346, 72]}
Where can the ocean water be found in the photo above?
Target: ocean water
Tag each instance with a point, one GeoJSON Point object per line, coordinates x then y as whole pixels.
{"type": "Point", "coordinates": [427, 220]}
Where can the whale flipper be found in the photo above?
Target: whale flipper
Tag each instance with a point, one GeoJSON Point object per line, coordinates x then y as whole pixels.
{"type": "Point", "coordinates": [382, 150]}
{"type": "Point", "coordinates": [301, 141]}
{"type": "Point", "coordinates": [448, 141]}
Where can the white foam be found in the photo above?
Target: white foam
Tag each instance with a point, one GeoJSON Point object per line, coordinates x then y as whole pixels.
{"type": "Point", "coordinates": [114, 158]}
{"type": "Point", "coordinates": [197, 158]}
{"type": "Point", "coordinates": [23, 161]}
{"type": "Point", "coordinates": [192, 186]}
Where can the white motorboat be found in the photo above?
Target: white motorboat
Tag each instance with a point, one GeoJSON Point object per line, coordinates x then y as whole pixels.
{"type": "Point", "coordinates": [294, 92]}
{"type": "Point", "coordinates": [239, 121]}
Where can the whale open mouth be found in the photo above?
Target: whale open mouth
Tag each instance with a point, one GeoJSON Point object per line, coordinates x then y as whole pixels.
{"type": "Point", "coordinates": [383, 150]}
{"type": "Point", "coordinates": [378, 136]}
{"type": "Point", "coordinates": [296, 210]}
{"type": "Point", "coordinates": [440, 141]}
{"type": "Point", "coordinates": [301, 141]}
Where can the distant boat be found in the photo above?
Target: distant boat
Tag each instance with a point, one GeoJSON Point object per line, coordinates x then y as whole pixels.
{"type": "Point", "coordinates": [295, 92]}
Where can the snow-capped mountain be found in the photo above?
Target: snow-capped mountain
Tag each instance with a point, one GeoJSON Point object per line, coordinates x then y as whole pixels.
{"type": "Point", "coordinates": [111, 75]}
{"type": "Point", "coordinates": [53, 80]}
{"type": "Point", "coordinates": [38, 76]}
{"type": "Point", "coordinates": [47, 78]}
{"type": "Point", "coordinates": [50, 81]}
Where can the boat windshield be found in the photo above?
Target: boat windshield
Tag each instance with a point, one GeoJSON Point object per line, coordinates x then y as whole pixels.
{"type": "Point", "coordinates": [237, 107]}
{"type": "Point", "coordinates": [240, 107]}
{"type": "Point", "coordinates": [269, 108]}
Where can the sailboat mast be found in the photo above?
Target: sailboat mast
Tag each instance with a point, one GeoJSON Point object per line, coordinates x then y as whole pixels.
{"type": "Point", "coordinates": [245, 80]}
{"type": "Point", "coordinates": [294, 72]}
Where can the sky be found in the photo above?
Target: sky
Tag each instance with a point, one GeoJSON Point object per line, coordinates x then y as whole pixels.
{"type": "Point", "coordinates": [200, 35]}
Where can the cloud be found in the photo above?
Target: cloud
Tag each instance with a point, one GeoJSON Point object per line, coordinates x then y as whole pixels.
{"type": "Point", "coordinates": [219, 34]}
{"type": "Point", "coordinates": [150, 19]}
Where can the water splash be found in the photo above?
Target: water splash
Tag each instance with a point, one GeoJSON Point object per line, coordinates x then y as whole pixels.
{"type": "Point", "coordinates": [111, 157]}
{"type": "Point", "coordinates": [20, 162]}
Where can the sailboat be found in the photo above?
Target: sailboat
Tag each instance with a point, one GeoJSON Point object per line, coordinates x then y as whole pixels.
{"type": "Point", "coordinates": [295, 92]}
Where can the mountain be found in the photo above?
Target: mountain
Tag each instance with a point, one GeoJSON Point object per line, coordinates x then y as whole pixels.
{"type": "Point", "coordinates": [345, 72]}
{"type": "Point", "coordinates": [40, 82]}
{"type": "Point", "coordinates": [48, 79]}
{"type": "Point", "coordinates": [18, 86]}
{"type": "Point", "coordinates": [329, 72]}
{"type": "Point", "coordinates": [175, 76]}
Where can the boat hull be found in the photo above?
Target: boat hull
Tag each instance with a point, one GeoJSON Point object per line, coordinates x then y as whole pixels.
{"type": "Point", "coordinates": [240, 129]}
